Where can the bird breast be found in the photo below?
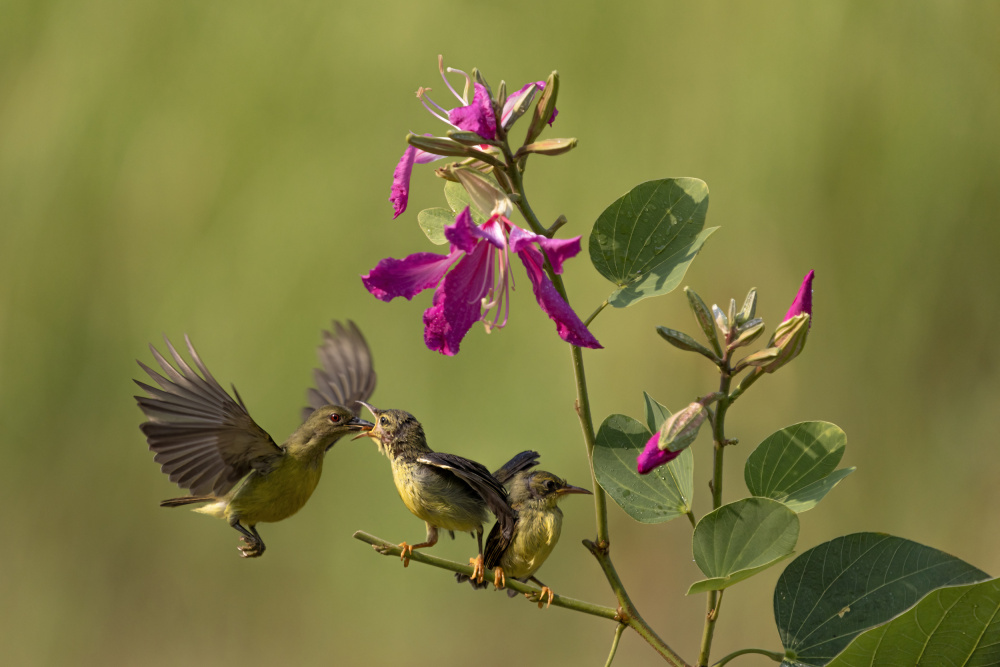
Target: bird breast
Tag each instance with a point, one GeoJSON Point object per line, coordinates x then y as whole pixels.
{"type": "Point", "coordinates": [438, 497]}
{"type": "Point", "coordinates": [535, 535]}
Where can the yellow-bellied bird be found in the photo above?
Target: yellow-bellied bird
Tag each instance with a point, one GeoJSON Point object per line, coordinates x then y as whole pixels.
{"type": "Point", "coordinates": [207, 443]}
{"type": "Point", "coordinates": [447, 491]}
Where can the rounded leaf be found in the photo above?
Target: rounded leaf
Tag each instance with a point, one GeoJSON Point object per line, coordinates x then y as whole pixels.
{"type": "Point", "coordinates": [741, 539]}
{"type": "Point", "coordinates": [661, 495]}
{"type": "Point", "coordinates": [833, 592]}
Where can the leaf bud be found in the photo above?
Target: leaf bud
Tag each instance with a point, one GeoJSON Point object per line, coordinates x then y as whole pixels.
{"type": "Point", "coordinates": [749, 308]}
{"type": "Point", "coordinates": [547, 147]}
{"type": "Point", "coordinates": [747, 333]}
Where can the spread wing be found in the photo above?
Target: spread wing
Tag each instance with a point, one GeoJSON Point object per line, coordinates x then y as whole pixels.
{"type": "Point", "coordinates": [479, 478]}
{"type": "Point", "coordinates": [523, 461]}
{"type": "Point", "coordinates": [204, 440]}
{"type": "Point", "coordinates": [347, 374]}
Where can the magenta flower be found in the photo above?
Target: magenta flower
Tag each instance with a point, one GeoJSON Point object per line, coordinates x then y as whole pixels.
{"type": "Point", "coordinates": [479, 281]}
{"type": "Point", "coordinates": [803, 302]}
{"type": "Point", "coordinates": [475, 115]}
{"type": "Point", "coordinates": [653, 457]}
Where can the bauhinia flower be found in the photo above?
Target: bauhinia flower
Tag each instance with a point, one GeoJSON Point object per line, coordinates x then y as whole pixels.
{"type": "Point", "coordinates": [653, 457]}
{"type": "Point", "coordinates": [472, 115]}
{"type": "Point", "coordinates": [790, 336]}
{"type": "Point", "coordinates": [675, 435]}
{"type": "Point", "coordinates": [474, 280]}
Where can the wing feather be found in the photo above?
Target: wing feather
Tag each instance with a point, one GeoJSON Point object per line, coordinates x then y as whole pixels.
{"type": "Point", "coordinates": [479, 478]}
{"type": "Point", "coordinates": [203, 439]}
{"type": "Point", "coordinates": [347, 373]}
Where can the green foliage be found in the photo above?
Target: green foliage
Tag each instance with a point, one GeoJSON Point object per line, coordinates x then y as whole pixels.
{"type": "Point", "coordinates": [950, 626]}
{"type": "Point", "coordinates": [645, 241]}
{"type": "Point", "coordinates": [796, 464]}
{"type": "Point", "coordinates": [656, 413]}
{"type": "Point", "coordinates": [740, 539]}
{"type": "Point", "coordinates": [837, 590]}
{"type": "Point", "coordinates": [661, 495]}
{"type": "Point", "coordinates": [432, 222]}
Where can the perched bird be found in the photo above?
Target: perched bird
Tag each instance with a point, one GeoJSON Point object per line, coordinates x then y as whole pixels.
{"type": "Point", "coordinates": [447, 491]}
{"type": "Point", "coordinates": [207, 443]}
{"type": "Point", "coordinates": [534, 496]}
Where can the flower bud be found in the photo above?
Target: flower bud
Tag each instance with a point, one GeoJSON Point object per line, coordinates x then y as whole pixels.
{"type": "Point", "coordinates": [789, 340]}
{"type": "Point", "coordinates": [749, 308]}
{"type": "Point", "coordinates": [545, 110]}
{"type": "Point", "coordinates": [438, 145]}
{"type": "Point", "coordinates": [547, 147]}
{"type": "Point", "coordinates": [681, 428]}
{"type": "Point", "coordinates": [521, 106]}
{"type": "Point", "coordinates": [469, 138]}
{"type": "Point", "coordinates": [790, 336]}
{"type": "Point", "coordinates": [684, 342]}
{"type": "Point", "coordinates": [721, 320]}
{"type": "Point", "coordinates": [653, 457]}
{"type": "Point", "coordinates": [747, 333]}
{"type": "Point", "coordinates": [704, 317]}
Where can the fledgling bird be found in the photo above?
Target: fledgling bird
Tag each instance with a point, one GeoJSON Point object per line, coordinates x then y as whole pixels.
{"type": "Point", "coordinates": [447, 491]}
{"type": "Point", "coordinates": [534, 495]}
{"type": "Point", "coordinates": [207, 443]}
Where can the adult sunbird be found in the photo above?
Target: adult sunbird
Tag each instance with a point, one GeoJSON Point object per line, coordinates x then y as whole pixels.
{"type": "Point", "coordinates": [447, 491]}
{"type": "Point", "coordinates": [534, 496]}
{"type": "Point", "coordinates": [207, 443]}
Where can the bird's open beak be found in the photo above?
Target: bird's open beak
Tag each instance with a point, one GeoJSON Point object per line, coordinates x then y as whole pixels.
{"type": "Point", "coordinates": [357, 424]}
{"type": "Point", "coordinates": [366, 426]}
{"type": "Point", "coordinates": [569, 488]}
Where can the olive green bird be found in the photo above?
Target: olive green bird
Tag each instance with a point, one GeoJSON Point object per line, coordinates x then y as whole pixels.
{"type": "Point", "coordinates": [534, 495]}
{"type": "Point", "coordinates": [207, 443]}
{"type": "Point", "coordinates": [447, 491]}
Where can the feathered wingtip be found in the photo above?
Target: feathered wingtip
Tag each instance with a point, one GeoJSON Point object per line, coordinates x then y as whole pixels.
{"type": "Point", "coordinates": [347, 373]}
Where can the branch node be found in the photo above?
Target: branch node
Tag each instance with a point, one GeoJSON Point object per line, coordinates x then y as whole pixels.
{"type": "Point", "coordinates": [622, 616]}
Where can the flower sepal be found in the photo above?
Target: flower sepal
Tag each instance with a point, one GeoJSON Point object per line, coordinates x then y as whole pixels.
{"type": "Point", "coordinates": [470, 138]}
{"type": "Point", "coordinates": [438, 146]}
{"type": "Point", "coordinates": [545, 109]}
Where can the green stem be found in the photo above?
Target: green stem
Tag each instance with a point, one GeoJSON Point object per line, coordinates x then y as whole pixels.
{"type": "Point", "coordinates": [719, 436]}
{"type": "Point", "coordinates": [594, 314]}
{"type": "Point", "coordinates": [614, 644]}
{"type": "Point", "coordinates": [627, 612]}
{"type": "Point", "coordinates": [389, 549]}
{"type": "Point", "coordinates": [600, 549]}
{"type": "Point", "coordinates": [773, 655]}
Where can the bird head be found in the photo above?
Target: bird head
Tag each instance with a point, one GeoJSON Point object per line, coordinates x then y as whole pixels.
{"type": "Point", "coordinates": [329, 423]}
{"type": "Point", "coordinates": [540, 485]}
{"type": "Point", "coordinates": [394, 429]}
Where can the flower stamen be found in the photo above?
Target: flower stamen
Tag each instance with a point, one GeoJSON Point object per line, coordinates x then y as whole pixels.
{"type": "Point", "coordinates": [464, 98]}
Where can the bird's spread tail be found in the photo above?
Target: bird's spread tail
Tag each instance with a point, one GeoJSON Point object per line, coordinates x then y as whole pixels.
{"type": "Point", "coordinates": [186, 500]}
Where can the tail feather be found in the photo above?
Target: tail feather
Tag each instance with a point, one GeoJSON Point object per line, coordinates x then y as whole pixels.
{"type": "Point", "coordinates": [186, 500]}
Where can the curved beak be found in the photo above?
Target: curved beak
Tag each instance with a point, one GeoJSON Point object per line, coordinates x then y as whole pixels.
{"type": "Point", "coordinates": [569, 488]}
{"type": "Point", "coordinates": [365, 426]}
{"type": "Point", "coordinates": [358, 424]}
{"type": "Point", "coordinates": [372, 409]}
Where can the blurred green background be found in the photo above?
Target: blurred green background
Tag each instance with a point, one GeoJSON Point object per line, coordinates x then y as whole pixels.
{"type": "Point", "coordinates": [222, 169]}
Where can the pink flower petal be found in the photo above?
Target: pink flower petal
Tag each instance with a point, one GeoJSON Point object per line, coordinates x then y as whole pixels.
{"type": "Point", "coordinates": [803, 302]}
{"type": "Point", "coordinates": [652, 457]}
{"type": "Point", "coordinates": [458, 302]}
{"type": "Point", "coordinates": [569, 327]}
{"type": "Point", "coordinates": [409, 276]}
{"type": "Point", "coordinates": [557, 250]}
{"type": "Point", "coordinates": [477, 117]}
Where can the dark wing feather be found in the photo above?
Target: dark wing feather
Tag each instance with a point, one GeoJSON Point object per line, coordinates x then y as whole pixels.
{"type": "Point", "coordinates": [479, 478]}
{"type": "Point", "coordinates": [496, 545]}
{"type": "Point", "coordinates": [523, 461]}
{"type": "Point", "coordinates": [203, 439]}
{"type": "Point", "coordinates": [347, 374]}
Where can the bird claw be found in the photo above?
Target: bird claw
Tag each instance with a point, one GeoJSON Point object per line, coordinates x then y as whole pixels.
{"type": "Point", "coordinates": [478, 568]}
{"type": "Point", "coordinates": [404, 553]}
{"type": "Point", "coordinates": [539, 596]}
{"type": "Point", "coordinates": [252, 548]}
{"type": "Point", "coordinates": [499, 578]}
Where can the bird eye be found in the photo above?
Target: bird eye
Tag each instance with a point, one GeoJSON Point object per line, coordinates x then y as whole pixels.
{"type": "Point", "coordinates": [335, 418]}
{"type": "Point", "coordinates": [550, 485]}
{"type": "Point", "coordinates": [383, 421]}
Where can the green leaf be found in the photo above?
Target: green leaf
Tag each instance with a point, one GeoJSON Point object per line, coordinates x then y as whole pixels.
{"type": "Point", "coordinates": [645, 241]}
{"type": "Point", "coordinates": [794, 465]}
{"type": "Point", "coordinates": [432, 222]}
{"type": "Point", "coordinates": [656, 413]}
{"type": "Point", "coordinates": [809, 496]}
{"type": "Point", "coordinates": [661, 495]}
{"type": "Point", "coordinates": [458, 199]}
{"type": "Point", "coordinates": [740, 539]}
{"type": "Point", "coordinates": [833, 592]}
{"type": "Point", "coordinates": [950, 626]}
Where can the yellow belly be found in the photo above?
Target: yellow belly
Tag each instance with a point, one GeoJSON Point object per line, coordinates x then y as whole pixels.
{"type": "Point", "coordinates": [441, 500]}
{"type": "Point", "coordinates": [277, 495]}
{"type": "Point", "coordinates": [535, 535]}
